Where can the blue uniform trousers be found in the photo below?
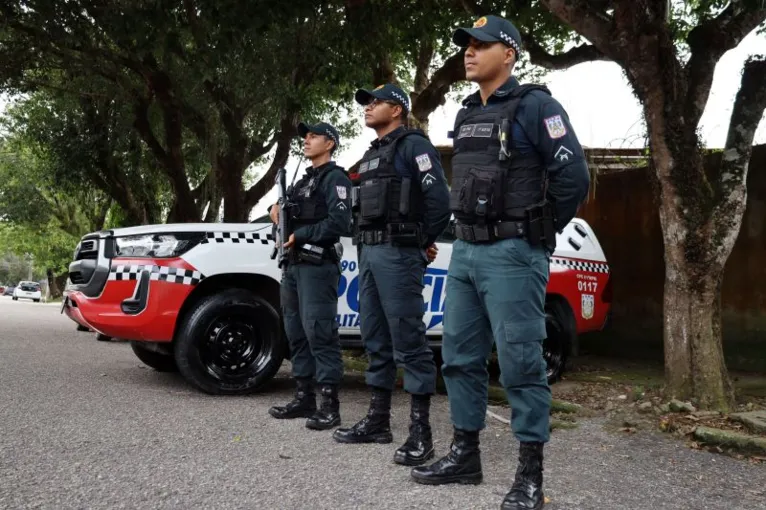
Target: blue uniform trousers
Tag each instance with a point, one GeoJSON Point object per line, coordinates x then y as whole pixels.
{"type": "Point", "coordinates": [391, 308]}
{"type": "Point", "coordinates": [496, 293]}
{"type": "Point", "coordinates": [309, 296]}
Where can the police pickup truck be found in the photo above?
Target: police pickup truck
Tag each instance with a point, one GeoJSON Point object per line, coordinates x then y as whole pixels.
{"type": "Point", "coordinates": [203, 299]}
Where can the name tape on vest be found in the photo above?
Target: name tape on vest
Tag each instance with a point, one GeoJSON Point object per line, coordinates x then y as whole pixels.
{"type": "Point", "coordinates": [476, 131]}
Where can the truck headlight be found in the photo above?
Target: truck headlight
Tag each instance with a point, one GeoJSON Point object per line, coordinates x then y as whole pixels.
{"type": "Point", "coordinates": [157, 245]}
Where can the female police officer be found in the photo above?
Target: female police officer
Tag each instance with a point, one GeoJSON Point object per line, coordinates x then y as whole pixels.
{"type": "Point", "coordinates": [319, 212]}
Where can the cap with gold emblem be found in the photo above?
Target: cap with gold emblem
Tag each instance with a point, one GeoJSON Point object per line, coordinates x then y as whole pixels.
{"type": "Point", "coordinates": [387, 92]}
{"type": "Point", "coordinates": [490, 29]}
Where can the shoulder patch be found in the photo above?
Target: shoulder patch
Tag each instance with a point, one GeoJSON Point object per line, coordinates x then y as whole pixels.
{"type": "Point", "coordinates": [555, 126]}
{"type": "Point", "coordinates": [342, 192]}
{"type": "Point", "coordinates": [424, 162]}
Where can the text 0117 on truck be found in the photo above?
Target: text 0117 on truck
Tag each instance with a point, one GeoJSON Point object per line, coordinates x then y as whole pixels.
{"type": "Point", "coordinates": [203, 299]}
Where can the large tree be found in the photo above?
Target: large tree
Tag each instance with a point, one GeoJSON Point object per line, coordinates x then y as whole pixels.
{"type": "Point", "coordinates": [236, 76]}
{"type": "Point", "coordinates": [669, 51]}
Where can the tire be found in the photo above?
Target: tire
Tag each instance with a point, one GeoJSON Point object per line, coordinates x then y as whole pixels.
{"type": "Point", "coordinates": [157, 360]}
{"type": "Point", "coordinates": [103, 338]}
{"type": "Point", "coordinates": [82, 328]}
{"type": "Point", "coordinates": [204, 351]}
{"type": "Point", "coordinates": [561, 335]}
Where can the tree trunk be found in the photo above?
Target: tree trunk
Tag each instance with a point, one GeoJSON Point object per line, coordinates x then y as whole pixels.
{"type": "Point", "coordinates": [694, 361]}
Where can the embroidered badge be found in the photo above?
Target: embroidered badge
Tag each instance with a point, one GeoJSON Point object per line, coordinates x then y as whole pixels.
{"type": "Point", "coordinates": [342, 192]}
{"type": "Point", "coordinates": [424, 162]}
{"type": "Point", "coordinates": [555, 126]}
{"type": "Point", "coordinates": [480, 22]}
{"type": "Point", "coordinates": [428, 179]}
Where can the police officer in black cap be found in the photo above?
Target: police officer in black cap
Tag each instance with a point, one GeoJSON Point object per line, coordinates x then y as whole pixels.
{"type": "Point", "coordinates": [402, 207]}
{"type": "Point", "coordinates": [319, 214]}
{"type": "Point", "coordinates": [518, 176]}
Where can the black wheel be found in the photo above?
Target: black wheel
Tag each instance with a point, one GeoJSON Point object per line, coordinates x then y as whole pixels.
{"type": "Point", "coordinates": [82, 328]}
{"type": "Point", "coordinates": [159, 361]}
{"type": "Point", "coordinates": [561, 334]}
{"type": "Point", "coordinates": [230, 343]}
{"type": "Point", "coordinates": [103, 338]}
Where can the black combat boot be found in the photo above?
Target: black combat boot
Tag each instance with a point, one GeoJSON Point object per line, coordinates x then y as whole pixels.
{"type": "Point", "coordinates": [461, 465]}
{"type": "Point", "coordinates": [527, 490]}
{"type": "Point", "coordinates": [419, 446]}
{"type": "Point", "coordinates": [328, 415]}
{"type": "Point", "coordinates": [373, 428]}
{"type": "Point", "coordinates": [303, 405]}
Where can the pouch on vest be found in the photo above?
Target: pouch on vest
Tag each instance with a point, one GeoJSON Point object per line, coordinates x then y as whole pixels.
{"type": "Point", "coordinates": [374, 199]}
{"type": "Point", "coordinates": [480, 194]}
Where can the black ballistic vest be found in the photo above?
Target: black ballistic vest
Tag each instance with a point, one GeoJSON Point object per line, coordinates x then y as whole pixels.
{"type": "Point", "coordinates": [308, 203]}
{"type": "Point", "coordinates": [486, 189]}
{"type": "Point", "coordinates": [385, 196]}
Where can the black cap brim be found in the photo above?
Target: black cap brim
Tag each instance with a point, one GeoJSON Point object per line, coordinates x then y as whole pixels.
{"type": "Point", "coordinates": [303, 129]}
{"type": "Point", "coordinates": [462, 36]}
{"type": "Point", "coordinates": [364, 97]}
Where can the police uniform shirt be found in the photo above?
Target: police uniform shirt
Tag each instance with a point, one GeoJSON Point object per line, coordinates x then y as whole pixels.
{"type": "Point", "coordinates": [418, 159]}
{"type": "Point", "coordinates": [541, 125]}
{"type": "Point", "coordinates": [336, 188]}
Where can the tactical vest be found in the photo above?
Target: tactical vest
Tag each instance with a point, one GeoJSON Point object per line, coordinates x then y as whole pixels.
{"type": "Point", "coordinates": [489, 184]}
{"type": "Point", "coordinates": [385, 196]}
{"type": "Point", "coordinates": [308, 203]}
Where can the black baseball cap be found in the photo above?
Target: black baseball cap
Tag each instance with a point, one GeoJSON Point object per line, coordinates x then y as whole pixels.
{"type": "Point", "coordinates": [322, 128]}
{"type": "Point", "coordinates": [387, 92]}
{"type": "Point", "coordinates": [490, 29]}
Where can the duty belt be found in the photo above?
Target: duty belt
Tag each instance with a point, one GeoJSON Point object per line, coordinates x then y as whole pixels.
{"type": "Point", "coordinates": [373, 237]}
{"type": "Point", "coordinates": [491, 232]}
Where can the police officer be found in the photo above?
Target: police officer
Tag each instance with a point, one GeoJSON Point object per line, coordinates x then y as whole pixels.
{"type": "Point", "coordinates": [518, 176]}
{"type": "Point", "coordinates": [402, 207]}
{"type": "Point", "coordinates": [319, 214]}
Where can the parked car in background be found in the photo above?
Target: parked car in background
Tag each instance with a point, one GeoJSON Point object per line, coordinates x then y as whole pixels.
{"type": "Point", "coordinates": [9, 290]}
{"type": "Point", "coordinates": [28, 290]}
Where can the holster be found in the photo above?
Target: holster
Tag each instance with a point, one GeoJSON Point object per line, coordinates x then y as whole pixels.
{"type": "Point", "coordinates": [541, 225]}
{"type": "Point", "coordinates": [405, 234]}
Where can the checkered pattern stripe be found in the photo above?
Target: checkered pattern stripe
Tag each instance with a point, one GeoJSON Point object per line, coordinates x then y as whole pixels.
{"type": "Point", "coordinates": [508, 39]}
{"type": "Point", "coordinates": [402, 99]}
{"type": "Point", "coordinates": [579, 265]}
{"type": "Point", "coordinates": [237, 238]}
{"type": "Point", "coordinates": [327, 132]}
{"type": "Point", "coordinates": [122, 272]}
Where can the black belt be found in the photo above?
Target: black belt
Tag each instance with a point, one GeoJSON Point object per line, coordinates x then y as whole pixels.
{"type": "Point", "coordinates": [328, 254]}
{"type": "Point", "coordinates": [373, 237]}
{"type": "Point", "coordinates": [490, 232]}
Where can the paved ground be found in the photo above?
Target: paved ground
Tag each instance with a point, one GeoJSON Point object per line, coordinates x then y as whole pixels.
{"type": "Point", "coordinates": [84, 425]}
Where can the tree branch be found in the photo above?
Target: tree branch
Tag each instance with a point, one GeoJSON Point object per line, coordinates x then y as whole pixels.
{"type": "Point", "coordinates": [594, 25]}
{"type": "Point", "coordinates": [431, 97]}
{"type": "Point", "coordinates": [259, 189]}
{"type": "Point", "coordinates": [538, 55]}
{"type": "Point", "coordinates": [708, 42]}
{"type": "Point", "coordinates": [749, 107]}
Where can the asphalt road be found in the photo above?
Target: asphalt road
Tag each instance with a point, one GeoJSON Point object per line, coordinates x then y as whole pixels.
{"type": "Point", "coordinates": [85, 425]}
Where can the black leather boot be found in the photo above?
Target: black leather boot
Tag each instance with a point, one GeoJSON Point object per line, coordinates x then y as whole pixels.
{"type": "Point", "coordinates": [527, 490]}
{"type": "Point", "coordinates": [303, 405]}
{"type": "Point", "coordinates": [419, 446]}
{"type": "Point", "coordinates": [328, 415]}
{"type": "Point", "coordinates": [373, 428]}
{"type": "Point", "coordinates": [461, 465]}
